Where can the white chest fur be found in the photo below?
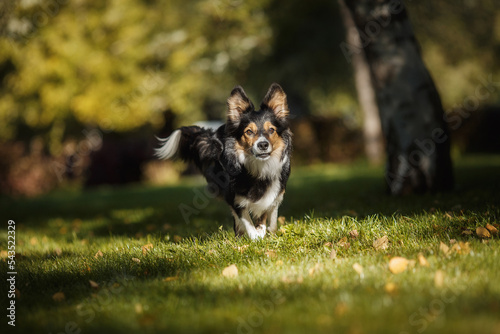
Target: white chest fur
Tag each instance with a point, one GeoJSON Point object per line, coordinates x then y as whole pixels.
{"type": "Point", "coordinates": [270, 199]}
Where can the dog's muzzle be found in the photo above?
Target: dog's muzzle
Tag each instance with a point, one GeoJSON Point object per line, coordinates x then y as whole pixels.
{"type": "Point", "coordinates": [262, 149]}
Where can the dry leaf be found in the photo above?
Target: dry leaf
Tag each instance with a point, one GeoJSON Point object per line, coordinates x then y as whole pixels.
{"type": "Point", "coordinates": [343, 243]}
{"type": "Point", "coordinates": [58, 296]}
{"type": "Point", "coordinates": [230, 271]}
{"type": "Point", "coordinates": [327, 244]}
{"type": "Point", "coordinates": [482, 232]}
{"type": "Point", "coordinates": [467, 232]}
{"type": "Point", "coordinates": [146, 248]}
{"type": "Point", "coordinates": [170, 279]}
{"type": "Point", "coordinates": [381, 243]}
{"type": "Point", "coordinates": [493, 230]}
{"type": "Point", "coordinates": [398, 264]}
{"type": "Point", "coordinates": [241, 249]}
{"type": "Point", "coordinates": [422, 260]}
{"type": "Point", "coordinates": [270, 254]}
{"type": "Point", "coordinates": [58, 251]}
{"type": "Point", "coordinates": [281, 220]}
{"type": "Point", "coordinates": [93, 285]}
{"type": "Point", "coordinates": [98, 254]}
{"type": "Point", "coordinates": [177, 238]}
{"type": "Point", "coordinates": [138, 308]}
{"type": "Point", "coordinates": [354, 234]}
{"type": "Point", "coordinates": [358, 268]}
{"type": "Point", "coordinates": [136, 260]}
{"type": "Point", "coordinates": [439, 279]}
{"type": "Point", "coordinates": [444, 248]}
{"type": "Point", "coordinates": [333, 254]}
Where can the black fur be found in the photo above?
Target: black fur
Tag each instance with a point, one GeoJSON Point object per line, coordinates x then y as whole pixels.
{"type": "Point", "coordinates": [216, 155]}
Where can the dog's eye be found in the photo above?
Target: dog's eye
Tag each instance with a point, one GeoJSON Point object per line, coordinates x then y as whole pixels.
{"type": "Point", "coordinates": [271, 131]}
{"type": "Point", "coordinates": [249, 132]}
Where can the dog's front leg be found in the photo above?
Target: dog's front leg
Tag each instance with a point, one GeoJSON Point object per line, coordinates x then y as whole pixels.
{"type": "Point", "coordinates": [273, 214]}
{"type": "Point", "coordinates": [243, 224]}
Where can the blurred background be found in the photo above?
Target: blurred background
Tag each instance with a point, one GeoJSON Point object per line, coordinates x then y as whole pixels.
{"type": "Point", "coordinates": [86, 85]}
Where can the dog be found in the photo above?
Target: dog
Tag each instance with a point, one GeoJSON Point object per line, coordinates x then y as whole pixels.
{"type": "Point", "coordinates": [246, 161]}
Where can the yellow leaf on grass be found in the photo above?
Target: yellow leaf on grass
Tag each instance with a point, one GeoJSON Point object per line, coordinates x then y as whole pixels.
{"type": "Point", "coordinates": [381, 243]}
{"type": "Point", "coordinates": [343, 243]}
{"type": "Point", "coordinates": [281, 220]}
{"type": "Point", "coordinates": [422, 260]}
{"type": "Point", "coordinates": [98, 254]}
{"type": "Point", "coordinates": [358, 268]}
{"type": "Point", "coordinates": [93, 284]}
{"type": "Point", "coordinates": [443, 248]}
{"type": "Point", "coordinates": [230, 271]}
{"type": "Point", "coordinates": [146, 248]}
{"type": "Point", "coordinates": [136, 260]}
{"type": "Point", "coordinates": [398, 264]}
{"type": "Point", "coordinates": [461, 248]}
{"type": "Point", "coordinates": [493, 230]}
{"type": "Point", "coordinates": [58, 296]}
{"type": "Point", "coordinates": [354, 234]}
{"type": "Point", "coordinates": [482, 232]}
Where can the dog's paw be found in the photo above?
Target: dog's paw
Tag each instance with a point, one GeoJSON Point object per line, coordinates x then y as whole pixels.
{"type": "Point", "coordinates": [261, 231]}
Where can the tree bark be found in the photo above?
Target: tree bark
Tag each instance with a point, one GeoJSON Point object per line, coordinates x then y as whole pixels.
{"type": "Point", "coordinates": [411, 113]}
{"type": "Point", "coordinates": [372, 129]}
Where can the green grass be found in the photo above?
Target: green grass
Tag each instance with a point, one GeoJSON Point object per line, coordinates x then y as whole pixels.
{"type": "Point", "coordinates": [286, 284]}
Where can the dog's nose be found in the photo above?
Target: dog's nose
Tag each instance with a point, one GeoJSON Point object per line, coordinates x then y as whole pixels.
{"type": "Point", "coordinates": [263, 145]}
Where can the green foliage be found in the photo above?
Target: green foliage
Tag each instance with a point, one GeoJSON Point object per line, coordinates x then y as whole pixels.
{"type": "Point", "coordinates": [119, 65]}
{"type": "Point", "coordinates": [288, 281]}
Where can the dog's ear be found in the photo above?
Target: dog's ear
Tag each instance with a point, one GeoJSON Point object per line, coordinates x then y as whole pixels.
{"type": "Point", "coordinates": [275, 100]}
{"type": "Point", "coordinates": [237, 104]}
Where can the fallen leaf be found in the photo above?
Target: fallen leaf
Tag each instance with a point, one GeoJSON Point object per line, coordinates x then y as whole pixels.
{"type": "Point", "coordinates": [467, 232]}
{"type": "Point", "coordinates": [58, 297]}
{"type": "Point", "coordinates": [136, 260]}
{"type": "Point", "coordinates": [443, 248]}
{"type": "Point", "coordinates": [93, 284]}
{"type": "Point", "coordinates": [482, 232]}
{"type": "Point", "coordinates": [145, 249]}
{"type": "Point", "coordinates": [281, 220]}
{"type": "Point", "coordinates": [138, 308]}
{"type": "Point", "coordinates": [230, 271]}
{"type": "Point", "coordinates": [398, 264]}
{"type": "Point", "coordinates": [439, 278]}
{"type": "Point", "coordinates": [170, 279]}
{"type": "Point", "coordinates": [493, 230]}
{"type": "Point", "coordinates": [391, 288]}
{"type": "Point", "coordinates": [354, 234]}
{"type": "Point", "coordinates": [343, 243]}
{"type": "Point", "coordinates": [98, 254]}
{"type": "Point", "coordinates": [279, 263]}
{"type": "Point", "coordinates": [33, 241]}
{"type": "Point", "coordinates": [452, 241]}
{"type": "Point", "coordinates": [358, 268]}
{"type": "Point", "coordinates": [327, 244]}
{"type": "Point", "coordinates": [177, 238]}
{"type": "Point", "coordinates": [333, 254]}
{"type": "Point", "coordinates": [461, 248]}
{"type": "Point", "coordinates": [381, 243]}
{"type": "Point", "coordinates": [422, 260]}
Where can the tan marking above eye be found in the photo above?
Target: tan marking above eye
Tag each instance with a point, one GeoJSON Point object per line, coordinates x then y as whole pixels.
{"type": "Point", "coordinates": [270, 128]}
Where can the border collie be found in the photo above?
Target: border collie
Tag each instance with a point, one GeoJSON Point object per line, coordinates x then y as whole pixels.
{"type": "Point", "coordinates": [246, 161]}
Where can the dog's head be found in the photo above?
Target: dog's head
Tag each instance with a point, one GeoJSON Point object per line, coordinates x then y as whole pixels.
{"type": "Point", "coordinates": [259, 134]}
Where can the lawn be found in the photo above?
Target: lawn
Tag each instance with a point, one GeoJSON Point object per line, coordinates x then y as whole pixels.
{"type": "Point", "coordinates": [146, 259]}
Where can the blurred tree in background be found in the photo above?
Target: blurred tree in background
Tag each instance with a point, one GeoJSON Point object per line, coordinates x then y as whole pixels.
{"type": "Point", "coordinates": [121, 65]}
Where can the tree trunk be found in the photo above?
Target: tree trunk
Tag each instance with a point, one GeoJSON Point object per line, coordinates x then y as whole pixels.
{"type": "Point", "coordinates": [412, 117]}
{"type": "Point", "coordinates": [372, 129]}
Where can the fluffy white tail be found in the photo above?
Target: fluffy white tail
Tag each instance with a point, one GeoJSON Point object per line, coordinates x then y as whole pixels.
{"type": "Point", "coordinates": [169, 146]}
